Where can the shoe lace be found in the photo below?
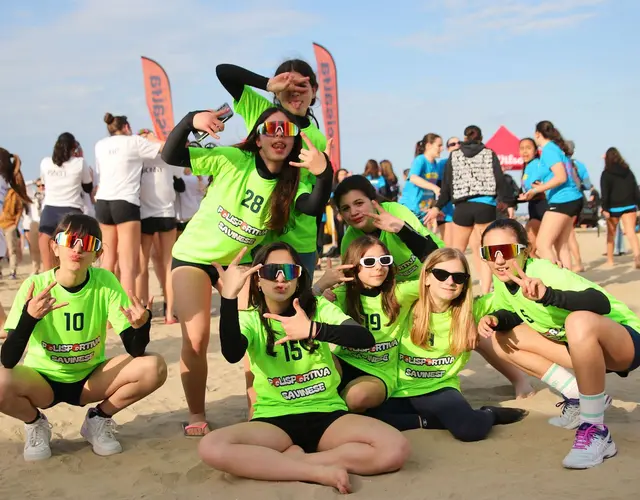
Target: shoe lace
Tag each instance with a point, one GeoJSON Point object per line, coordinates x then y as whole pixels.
{"type": "Point", "coordinates": [584, 437]}
{"type": "Point", "coordinates": [107, 428]}
{"type": "Point", "coordinates": [38, 434]}
{"type": "Point", "coordinates": [566, 405]}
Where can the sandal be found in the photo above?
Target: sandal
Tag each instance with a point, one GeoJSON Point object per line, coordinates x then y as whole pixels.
{"type": "Point", "coordinates": [201, 429]}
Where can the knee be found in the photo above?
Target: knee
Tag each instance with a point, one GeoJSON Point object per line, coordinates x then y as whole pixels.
{"type": "Point", "coordinates": [154, 369]}
{"type": "Point", "coordinates": [195, 345]}
{"type": "Point", "coordinates": [212, 450]}
{"type": "Point", "coordinates": [579, 326]}
{"type": "Point", "coordinates": [395, 453]}
{"type": "Point", "coordinates": [360, 401]}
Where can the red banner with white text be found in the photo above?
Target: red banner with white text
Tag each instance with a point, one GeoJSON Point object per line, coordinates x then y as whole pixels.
{"type": "Point", "coordinates": [328, 88]}
{"type": "Point", "coordinates": [158, 94]}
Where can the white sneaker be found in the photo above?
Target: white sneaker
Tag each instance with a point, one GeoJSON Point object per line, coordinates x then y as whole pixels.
{"type": "Point", "coordinates": [592, 445]}
{"type": "Point", "coordinates": [569, 417]}
{"type": "Point", "coordinates": [37, 439]}
{"type": "Point", "coordinates": [100, 433]}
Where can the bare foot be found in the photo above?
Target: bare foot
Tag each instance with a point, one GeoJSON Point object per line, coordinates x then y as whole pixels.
{"type": "Point", "coordinates": [578, 269]}
{"type": "Point", "coordinates": [636, 262]}
{"type": "Point", "coordinates": [524, 390]}
{"type": "Point", "coordinates": [294, 451]}
{"type": "Point", "coordinates": [336, 477]}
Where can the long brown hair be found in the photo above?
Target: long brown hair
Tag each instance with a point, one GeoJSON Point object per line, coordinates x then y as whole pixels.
{"type": "Point", "coordinates": [372, 168]}
{"type": "Point", "coordinates": [355, 252]}
{"type": "Point", "coordinates": [10, 171]}
{"type": "Point", "coordinates": [421, 145]}
{"type": "Point", "coordinates": [288, 179]}
{"type": "Point", "coordinates": [386, 168]}
{"type": "Point", "coordinates": [613, 157]}
{"type": "Point", "coordinates": [551, 133]}
{"type": "Point", "coordinates": [462, 320]}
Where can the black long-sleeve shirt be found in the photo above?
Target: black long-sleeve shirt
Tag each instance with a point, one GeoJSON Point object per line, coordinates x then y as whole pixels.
{"type": "Point", "coordinates": [176, 153]}
{"type": "Point", "coordinates": [234, 345]}
{"type": "Point", "coordinates": [584, 300]}
{"type": "Point", "coordinates": [234, 78]}
{"type": "Point", "coordinates": [419, 245]}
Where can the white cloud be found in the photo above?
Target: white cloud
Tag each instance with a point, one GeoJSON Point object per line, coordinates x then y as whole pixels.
{"type": "Point", "coordinates": [68, 70]}
{"type": "Point", "coordinates": [476, 20]}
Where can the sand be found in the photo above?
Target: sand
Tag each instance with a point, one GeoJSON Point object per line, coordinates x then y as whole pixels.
{"type": "Point", "coordinates": [521, 460]}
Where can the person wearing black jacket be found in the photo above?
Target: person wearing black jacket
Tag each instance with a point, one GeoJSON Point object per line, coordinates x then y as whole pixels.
{"type": "Point", "coordinates": [620, 201]}
{"type": "Point", "coordinates": [473, 181]}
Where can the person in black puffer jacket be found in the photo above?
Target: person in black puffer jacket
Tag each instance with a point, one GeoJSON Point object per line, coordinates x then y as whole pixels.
{"type": "Point", "coordinates": [620, 201]}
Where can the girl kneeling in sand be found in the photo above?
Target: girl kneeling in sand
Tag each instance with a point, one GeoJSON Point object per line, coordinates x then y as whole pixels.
{"type": "Point", "coordinates": [372, 298]}
{"type": "Point", "coordinates": [551, 319]}
{"type": "Point", "coordinates": [300, 430]}
{"type": "Point", "coordinates": [435, 347]}
{"type": "Point", "coordinates": [62, 316]}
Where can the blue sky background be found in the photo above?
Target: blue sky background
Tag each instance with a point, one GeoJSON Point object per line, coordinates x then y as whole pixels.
{"type": "Point", "coordinates": [405, 68]}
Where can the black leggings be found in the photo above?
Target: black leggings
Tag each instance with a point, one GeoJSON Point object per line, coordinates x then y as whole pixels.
{"type": "Point", "coordinates": [443, 409]}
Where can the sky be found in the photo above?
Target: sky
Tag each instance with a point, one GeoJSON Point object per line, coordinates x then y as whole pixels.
{"type": "Point", "coordinates": [405, 68]}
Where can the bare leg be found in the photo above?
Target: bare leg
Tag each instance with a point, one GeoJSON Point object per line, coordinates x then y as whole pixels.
{"type": "Point", "coordinates": [142, 279]}
{"type": "Point", "coordinates": [109, 246]}
{"type": "Point", "coordinates": [629, 226]}
{"type": "Point", "coordinates": [256, 450]}
{"type": "Point", "coordinates": [364, 393]}
{"type": "Point", "coordinates": [251, 392]}
{"type": "Point", "coordinates": [554, 231]}
{"type": "Point", "coordinates": [34, 248]}
{"type": "Point", "coordinates": [483, 269]}
{"type": "Point", "coordinates": [362, 445]}
{"type": "Point", "coordinates": [533, 226]}
{"type": "Point", "coordinates": [612, 225]}
{"type": "Point", "coordinates": [167, 240]}
{"type": "Point", "coordinates": [129, 253]}
{"type": "Point", "coordinates": [22, 392]}
{"type": "Point", "coordinates": [518, 379]}
{"type": "Point", "coordinates": [44, 249]}
{"type": "Point", "coordinates": [574, 248]}
{"type": "Point", "coordinates": [192, 290]}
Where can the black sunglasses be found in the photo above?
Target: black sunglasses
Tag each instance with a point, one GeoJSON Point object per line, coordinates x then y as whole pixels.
{"type": "Point", "coordinates": [452, 144]}
{"type": "Point", "coordinates": [443, 275]}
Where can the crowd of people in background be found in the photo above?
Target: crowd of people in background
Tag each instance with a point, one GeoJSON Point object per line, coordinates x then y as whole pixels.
{"type": "Point", "coordinates": [249, 221]}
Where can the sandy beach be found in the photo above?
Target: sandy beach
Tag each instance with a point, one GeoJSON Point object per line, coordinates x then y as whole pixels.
{"type": "Point", "coordinates": [521, 460]}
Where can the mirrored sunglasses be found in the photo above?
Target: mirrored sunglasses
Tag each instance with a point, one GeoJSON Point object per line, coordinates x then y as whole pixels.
{"type": "Point", "coordinates": [89, 243]}
{"type": "Point", "coordinates": [271, 272]}
{"type": "Point", "coordinates": [272, 129]}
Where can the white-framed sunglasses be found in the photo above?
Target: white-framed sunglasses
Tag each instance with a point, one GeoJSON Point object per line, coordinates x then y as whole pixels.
{"type": "Point", "coordinates": [384, 260]}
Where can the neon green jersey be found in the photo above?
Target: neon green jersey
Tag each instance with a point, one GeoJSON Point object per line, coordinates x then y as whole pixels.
{"type": "Point", "coordinates": [549, 320]}
{"type": "Point", "coordinates": [301, 231]}
{"type": "Point", "coordinates": [294, 381]}
{"type": "Point", "coordinates": [68, 343]}
{"type": "Point", "coordinates": [422, 371]}
{"type": "Point", "coordinates": [234, 212]}
{"type": "Point", "coordinates": [381, 360]}
{"type": "Point", "coordinates": [408, 265]}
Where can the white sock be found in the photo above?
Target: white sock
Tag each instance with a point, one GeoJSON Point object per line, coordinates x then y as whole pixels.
{"type": "Point", "coordinates": [592, 408]}
{"type": "Point", "coordinates": [561, 380]}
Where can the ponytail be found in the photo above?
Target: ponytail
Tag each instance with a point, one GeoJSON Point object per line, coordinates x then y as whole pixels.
{"type": "Point", "coordinates": [551, 133]}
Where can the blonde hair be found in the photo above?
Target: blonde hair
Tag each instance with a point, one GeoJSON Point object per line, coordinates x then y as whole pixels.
{"type": "Point", "coordinates": [462, 320]}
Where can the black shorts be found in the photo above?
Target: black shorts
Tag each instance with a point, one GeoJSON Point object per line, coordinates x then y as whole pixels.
{"type": "Point", "coordinates": [306, 429]}
{"type": "Point", "coordinates": [470, 213]}
{"type": "Point", "coordinates": [613, 213]}
{"type": "Point", "coordinates": [570, 208]}
{"type": "Point", "coordinates": [51, 217]}
{"type": "Point", "coordinates": [635, 338]}
{"type": "Point", "coordinates": [112, 212]}
{"type": "Point", "coordinates": [537, 208]}
{"type": "Point", "coordinates": [181, 226]}
{"type": "Point", "coordinates": [68, 393]}
{"type": "Point", "coordinates": [350, 373]}
{"type": "Point", "coordinates": [211, 271]}
{"type": "Point", "coordinates": [153, 225]}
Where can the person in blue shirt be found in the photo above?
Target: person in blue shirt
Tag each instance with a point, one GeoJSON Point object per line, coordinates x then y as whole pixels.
{"type": "Point", "coordinates": [531, 177]}
{"type": "Point", "coordinates": [422, 185]}
{"type": "Point", "coordinates": [373, 173]}
{"type": "Point", "coordinates": [585, 184]}
{"type": "Point", "coordinates": [560, 184]}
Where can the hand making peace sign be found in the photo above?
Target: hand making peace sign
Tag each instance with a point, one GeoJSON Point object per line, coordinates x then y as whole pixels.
{"type": "Point", "coordinates": [207, 121]}
{"type": "Point", "coordinates": [43, 303]}
{"type": "Point", "coordinates": [235, 277]}
{"type": "Point", "coordinates": [311, 159]}
{"type": "Point", "coordinates": [384, 221]}
{"type": "Point", "coordinates": [532, 288]}
{"type": "Point", "coordinates": [295, 327]}
{"type": "Point", "coordinates": [334, 275]}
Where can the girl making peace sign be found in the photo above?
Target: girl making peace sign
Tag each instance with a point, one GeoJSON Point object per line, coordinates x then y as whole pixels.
{"type": "Point", "coordinates": [550, 319]}
{"type": "Point", "coordinates": [300, 430]}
